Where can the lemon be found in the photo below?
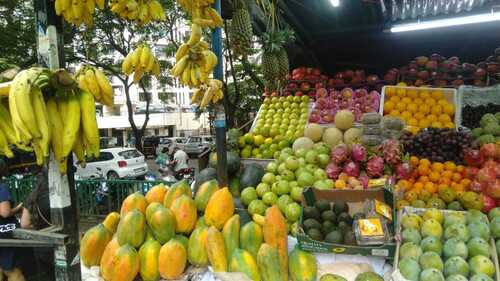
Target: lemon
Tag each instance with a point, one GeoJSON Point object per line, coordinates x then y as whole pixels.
{"type": "Point", "coordinates": [424, 108]}
{"type": "Point", "coordinates": [394, 113]}
{"type": "Point", "coordinates": [436, 124]}
{"type": "Point", "coordinates": [405, 115]}
{"type": "Point", "coordinates": [388, 106]}
{"type": "Point", "coordinates": [449, 109]}
{"type": "Point", "coordinates": [413, 122]}
{"type": "Point", "coordinates": [432, 118]}
{"type": "Point", "coordinates": [412, 107]}
{"type": "Point", "coordinates": [419, 116]}
{"type": "Point", "coordinates": [418, 101]}
{"type": "Point", "coordinates": [424, 94]}
{"type": "Point", "coordinates": [437, 94]}
{"type": "Point", "coordinates": [423, 123]}
{"type": "Point", "coordinates": [401, 106]}
{"type": "Point", "coordinates": [436, 109]}
{"type": "Point", "coordinates": [443, 118]}
{"type": "Point", "coordinates": [412, 93]}
{"type": "Point", "coordinates": [430, 101]}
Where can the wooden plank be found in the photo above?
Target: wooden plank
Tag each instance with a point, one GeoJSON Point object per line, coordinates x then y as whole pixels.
{"type": "Point", "coordinates": [48, 237]}
{"type": "Point", "coordinates": [19, 243]}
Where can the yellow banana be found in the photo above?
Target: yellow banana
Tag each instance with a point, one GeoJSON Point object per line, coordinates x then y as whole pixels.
{"type": "Point", "coordinates": [41, 119]}
{"type": "Point", "coordinates": [57, 128]}
{"type": "Point", "coordinates": [100, 4]}
{"type": "Point", "coordinates": [196, 33]}
{"type": "Point", "coordinates": [136, 56]}
{"type": "Point", "coordinates": [58, 7]}
{"type": "Point", "coordinates": [92, 84]}
{"type": "Point", "coordinates": [127, 66]}
{"type": "Point", "coordinates": [20, 91]}
{"type": "Point", "coordinates": [65, 5]}
{"type": "Point", "coordinates": [37, 148]}
{"type": "Point", "coordinates": [78, 149]}
{"type": "Point", "coordinates": [138, 74]}
{"type": "Point", "coordinates": [211, 61]}
{"type": "Point", "coordinates": [207, 97]}
{"type": "Point", "coordinates": [107, 100]}
{"type": "Point", "coordinates": [71, 122]}
{"type": "Point", "coordinates": [180, 66]}
{"type": "Point", "coordinates": [82, 83]}
{"type": "Point", "coordinates": [156, 69]}
{"type": "Point", "coordinates": [4, 145]}
{"type": "Point", "coordinates": [195, 75]}
{"type": "Point", "coordinates": [22, 133]}
{"type": "Point", "coordinates": [77, 8]}
{"type": "Point", "coordinates": [203, 77]}
{"type": "Point", "coordinates": [214, 15]}
{"type": "Point", "coordinates": [6, 125]}
{"type": "Point", "coordinates": [104, 85]}
{"type": "Point", "coordinates": [145, 56]}
{"type": "Point", "coordinates": [151, 64]}
{"type": "Point", "coordinates": [90, 6]}
{"type": "Point", "coordinates": [181, 52]}
{"type": "Point", "coordinates": [197, 94]}
{"type": "Point", "coordinates": [203, 44]}
{"type": "Point", "coordinates": [89, 123]}
{"type": "Point", "coordinates": [186, 75]}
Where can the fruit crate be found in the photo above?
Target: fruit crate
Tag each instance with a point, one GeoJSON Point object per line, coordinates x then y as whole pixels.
{"type": "Point", "coordinates": [450, 94]}
{"type": "Point", "coordinates": [355, 200]}
{"type": "Point", "coordinates": [477, 96]}
{"type": "Point", "coordinates": [397, 276]}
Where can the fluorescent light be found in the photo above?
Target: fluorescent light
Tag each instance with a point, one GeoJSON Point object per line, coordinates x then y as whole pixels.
{"type": "Point", "coordinates": [446, 22]}
{"type": "Point", "coordinates": [335, 3]}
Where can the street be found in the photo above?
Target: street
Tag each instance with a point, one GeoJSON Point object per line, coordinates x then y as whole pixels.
{"type": "Point", "coordinates": [153, 167]}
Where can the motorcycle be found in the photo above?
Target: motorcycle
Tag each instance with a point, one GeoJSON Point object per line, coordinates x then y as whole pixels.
{"type": "Point", "coordinates": [169, 175]}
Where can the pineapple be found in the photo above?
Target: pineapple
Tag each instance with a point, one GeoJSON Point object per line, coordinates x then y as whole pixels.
{"type": "Point", "coordinates": [270, 67]}
{"type": "Point", "coordinates": [240, 31]}
{"type": "Point", "coordinates": [283, 64]}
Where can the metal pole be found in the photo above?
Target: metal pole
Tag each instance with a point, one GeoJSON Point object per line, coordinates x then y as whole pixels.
{"type": "Point", "coordinates": [50, 50]}
{"type": "Point", "coordinates": [220, 116]}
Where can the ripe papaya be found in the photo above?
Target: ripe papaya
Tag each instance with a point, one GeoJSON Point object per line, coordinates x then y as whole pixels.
{"type": "Point", "coordinates": [302, 265]}
{"type": "Point", "coordinates": [125, 264]}
{"type": "Point", "coordinates": [185, 214]}
{"type": "Point", "coordinates": [220, 208]}
{"type": "Point", "coordinates": [205, 191]}
{"type": "Point", "coordinates": [276, 235]}
{"type": "Point", "coordinates": [111, 221]}
{"type": "Point", "coordinates": [93, 244]}
{"type": "Point", "coordinates": [149, 234]}
{"type": "Point", "coordinates": [176, 191]}
{"type": "Point", "coordinates": [268, 263]}
{"type": "Point", "coordinates": [243, 261]}
{"type": "Point", "coordinates": [251, 238]}
{"type": "Point", "coordinates": [133, 201]}
{"type": "Point", "coordinates": [132, 229]}
{"type": "Point", "coordinates": [216, 250]}
{"type": "Point", "coordinates": [107, 258]}
{"type": "Point", "coordinates": [162, 224]}
{"type": "Point", "coordinates": [148, 254]}
{"type": "Point", "coordinates": [183, 239]}
{"type": "Point", "coordinates": [197, 253]}
{"type": "Point", "coordinates": [151, 209]}
{"type": "Point", "coordinates": [172, 259]}
{"type": "Point", "coordinates": [231, 234]}
{"type": "Point", "coordinates": [156, 194]}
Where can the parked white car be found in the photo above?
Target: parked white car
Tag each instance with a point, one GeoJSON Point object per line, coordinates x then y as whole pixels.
{"type": "Point", "coordinates": [171, 143]}
{"type": "Point", "coordinates": [119, 162]}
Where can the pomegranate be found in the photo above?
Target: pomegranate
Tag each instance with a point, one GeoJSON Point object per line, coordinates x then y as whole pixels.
{"type": "Point", "coordinates": [476, 186]}
{"type": "Point", "coordinates": [318, 85]}
{"type": "Point", "coordinates": [493, 189]}
{"type": "Point", "coordinates": [473, 157]}
{"type": "Point", "coordinates": [488, 151]}
{"type": "Point", "coordinates": [488, 203]}
{"type": "Point", "coordinates": [486, 175]}
{"type": "Point", "coordinates": [470, 172]}
{"type": "Point", "coordinates": [299, 93]}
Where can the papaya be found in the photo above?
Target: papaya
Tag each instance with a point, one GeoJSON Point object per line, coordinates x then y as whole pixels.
{"type": "Point", "coordinates": [220, 208]}
{"type": "Point", "coordinates": [125, 264]}
{"type": "Point", "coordinates": [243, 261]}
{"type": "Point", "coordinates": [162, 224]}
{"type": "Point", "coordinates": [151, 209]}
{"type": "Point", "coordinates": [185, 214]}
{"type": "Point", "coordinates": [156, 194]}
{"type": "Point", "coordinates": [276, 235]}
{"type": "Point", "coordinates": [149, 234]}
{"type": "Point", "coordinates": [231, 234]}
{"type": "Point", "coordinates": [268, 263]}
{"type": "Point", "coordinates": [183, 239]}
{"type": "Point", "coordinates": [251, 238]}
{"type": "Point", "coordinates": [148, 254]}
{"type": "Point", "coordinates": [177, 189]}
{"type": "Point", "coordinates": [133, 201]}
{"type": "Point", "coordinates": [205, 191]}
{"type": "Point", "coordinates": [302, 265]}
{"type": "Point", "coordinates": [132, 229]}
{"type": "Point", "coordinates": [172, 259]}
{"type": "Point", "coordinates": [106, 263]}
{"type": "Point", "coordinates": [93, 244]}
{"type": "Point", "coordinates": [197, 253]}
{"type": "Point", "coordinates": [216, 250]}
{"type": "Point", "coordinates": [111, 221]}
{"type": "Point", "coordinates": [201, 222]}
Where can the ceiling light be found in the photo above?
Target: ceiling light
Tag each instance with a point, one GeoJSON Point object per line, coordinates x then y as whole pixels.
{"type": "Point", "coordinates": [420, 25]}
{"type": "Point", "coordinates": [335, 3]}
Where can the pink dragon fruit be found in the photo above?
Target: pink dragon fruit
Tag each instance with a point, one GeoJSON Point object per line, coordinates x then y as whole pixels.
{"type": "Point", "coordinates": [391, 150]}
{"type": "Point", "coordinates": [339, 154]}
{"type": "Point", "coordinates": [351, 169]}
{"type": "Point", "coordinates": [363, 178]}
{"type": "Point", "coordinates": [403, 170]}
{"type": "Point", "coordinates": [333, 171]}
{"type": "Point", "coordinates": [375, 167]}
{"type": "Point", "coordinates": [358, 153]}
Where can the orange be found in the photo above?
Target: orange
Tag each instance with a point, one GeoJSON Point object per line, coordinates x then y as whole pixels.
{"type": "Point", "coordinates": [447, 174]}
{"type": "Point", "coordinates": [406, 115]}
{"type": "Point", "coordinates": [404, 184]}
{"type": "Point", "coordinates": [423, 170]}
{"type": "Point", "coordinates": [418, 101]}
{"type": "Point", "coordinates": [388, 106]}
{"type": "Point", "coordinates": [401, 106]}
{"type": "Point", "coordinates": [457, 177]}
{"type": "Point", "coordinates": [413, 122]}
{"type": "Point", "coordinates": [395, 99]}
{"type": "Point", "coordinates": [419, 116]}
{"type": "Point", "coordinates": [429, 186]}
{"type": "Point", "coordinates": [443, 118]}
{"type": "Point", "coordinates": [450, 166]}
{"type": "Point", "coordinates": [424, 161]}
{"type": "Point", "coordinates": [442, 102]}
{"type": "Point", "coordinates": [430, 102]}
{"type": "Point", "coordinates": [414, 161]}
{"type": "Point", "coordinates": [423, 179]}
{"type": "Point", "coordinates": [436, 109]}
{"type": "Point", "coordinates": [412, 107]}
{"type": "Point", "coordinates": [437, 167]}
{"type": "Point", "coordinates": [450, 125]}
{"type": "Point", "coordinates": [423, 123]}
{"type": "Point", "coordinates": [458, 187]}
{"type": "Point", "coordinates": [444, 180]}
{"type": "Point", "coordinates": [389, 91]}
{"type": "Point", "coordinates": [424, 94]}
{"type": "Point", "coordinates": [406, 100]}
{"type": "Point", "coordinates": [412, 93]}
{"type": "Point", "coordinates": [394, 113]}
{"type": "Point", "coordinates": [401, 92]}
{"type": "Point", "coordinates": [434, 176]}
{"type": "Point", "coordinates": [449, 109]}
{"type": "Point", "coordinates": [436, 124]}
{"type": "Point", "coordinates": [418, 186]}
{"type": "Point", "coordinates": [465, 182]}
{"type": "Point", "coordinates": [424, 108]}
{"type": "Point", "coordinates": [431, 118]}
{"type": "Point", "coordinates": [411, 195]}
{"type": "Point", "coordinates": [340, 184]}
{"type": "Point", "coordinates": [437, 94]}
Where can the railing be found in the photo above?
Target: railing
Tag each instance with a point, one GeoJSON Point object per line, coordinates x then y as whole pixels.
{"type": "Point", "coordinates": [95, 197]}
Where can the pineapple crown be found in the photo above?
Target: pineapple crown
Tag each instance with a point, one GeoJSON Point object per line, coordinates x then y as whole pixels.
{"type": "Point", "coordinates": [274, 41]}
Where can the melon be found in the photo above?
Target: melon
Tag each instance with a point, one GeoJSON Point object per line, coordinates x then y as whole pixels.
{"type": "Point", "coordinates": [302, 142]}
{"type": "Point", "coordinates": [344, 119]}
{"type": "Point", "coordinates": [353, 135]}
{"type": "Point", "coordinates": [313, 131]}
{"type": "Point", "coordinates": [333, 136]}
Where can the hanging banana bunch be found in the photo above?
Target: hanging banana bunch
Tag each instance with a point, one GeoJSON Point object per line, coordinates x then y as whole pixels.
{"type": "Point", "coordinates": [63, 120]}
{"type": "Point", "coordinates": [140, 11]}
{"type": "Point", "coordinates": [208, 94]}
{"type": "Point", "coordinates": [94, 81]}
{"type": "Point", "coordinates": [78, 11]}
{"type": "Point", "coordinates": [141, 61]}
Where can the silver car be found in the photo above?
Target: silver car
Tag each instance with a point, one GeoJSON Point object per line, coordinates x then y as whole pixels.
{"type": "Point", "coordinates": [196, 145]}
{"type": "Point", "coordinates": [171, 143]}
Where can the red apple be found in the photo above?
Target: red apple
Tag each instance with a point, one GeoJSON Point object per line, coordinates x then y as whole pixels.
{"type": "Point", "coordinates": [274, 94]}
{"type": "Point", "coordinates": [318, 85]}
{"type": "Point", "coordinates": [348, 74]}
{"type": "Point", "coordinates": [359, 73]}
{"type": "Point", "coordinates": [372, 79]}
{"type": "Point", "coordinates": [299, 93]}
{"type": "Point", "coordinates": [424, 74]}
{"type": "Point", "coordinates": [312, 94]}
{"type": "Point", "coordinates": [488, 203]}
{"type": "Point", "coordinates": [431, 65]}
{"type": "Point", "coordinates": [304, 86]}
{"type": "Point", "coordinates": [287, 93]}
{"type": "Point", "coordinates": [316, 72]}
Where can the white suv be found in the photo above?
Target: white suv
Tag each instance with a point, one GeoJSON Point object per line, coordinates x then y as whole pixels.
{"type": "Point", "coordinates": [114, 163]}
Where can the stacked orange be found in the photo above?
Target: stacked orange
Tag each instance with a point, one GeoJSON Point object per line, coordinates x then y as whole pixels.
{"type": "Point", "coordinates": [433, 180]}
{"type": "Point", "coordinates": [420, 108]}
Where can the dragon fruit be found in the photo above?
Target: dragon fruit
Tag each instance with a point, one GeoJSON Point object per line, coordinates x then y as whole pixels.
{"type": "Point", "coordinates": [333, 171]}
{"type": "Point", "coordinates": [375, 167]}
{"type": "Point", "coordinates": [351, 168]}
{"type": "Point", "coordinates": [339, 154]}
{"type": "Point", "coordinates": [358, 153]}
{"type": "Point", "coordinates": [391, 150]}
{"type": "Point", "coordinates": [403, 170]}
{"type": "Point", "coordinates": [363, 178]}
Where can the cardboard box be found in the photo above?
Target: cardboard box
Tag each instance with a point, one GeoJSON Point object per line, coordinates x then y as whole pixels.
{"type": "Point", "coordinates": [355, 199]}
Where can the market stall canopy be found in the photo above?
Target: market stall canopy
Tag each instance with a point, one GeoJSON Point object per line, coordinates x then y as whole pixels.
{"type": "Point", "coordinates": [356, 33]}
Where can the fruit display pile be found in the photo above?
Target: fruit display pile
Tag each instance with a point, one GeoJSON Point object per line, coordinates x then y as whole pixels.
{"type": "Point", "coordinates": [454, 245]}
{"type": "Point", "coordinates": [471, 115]}
{"type": "Point", "coordinates": [354, 79]}
{"type": "Point", "coordinates": [329, 103]}
{"type": "Point", "coordinates": [330, 223]}
{"type": "Point", "coordinates": [489, 130]}
{"type": "Point", "coordinates": [419, 107]}
{"type": "Point", "coordinates": [303, 81]}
